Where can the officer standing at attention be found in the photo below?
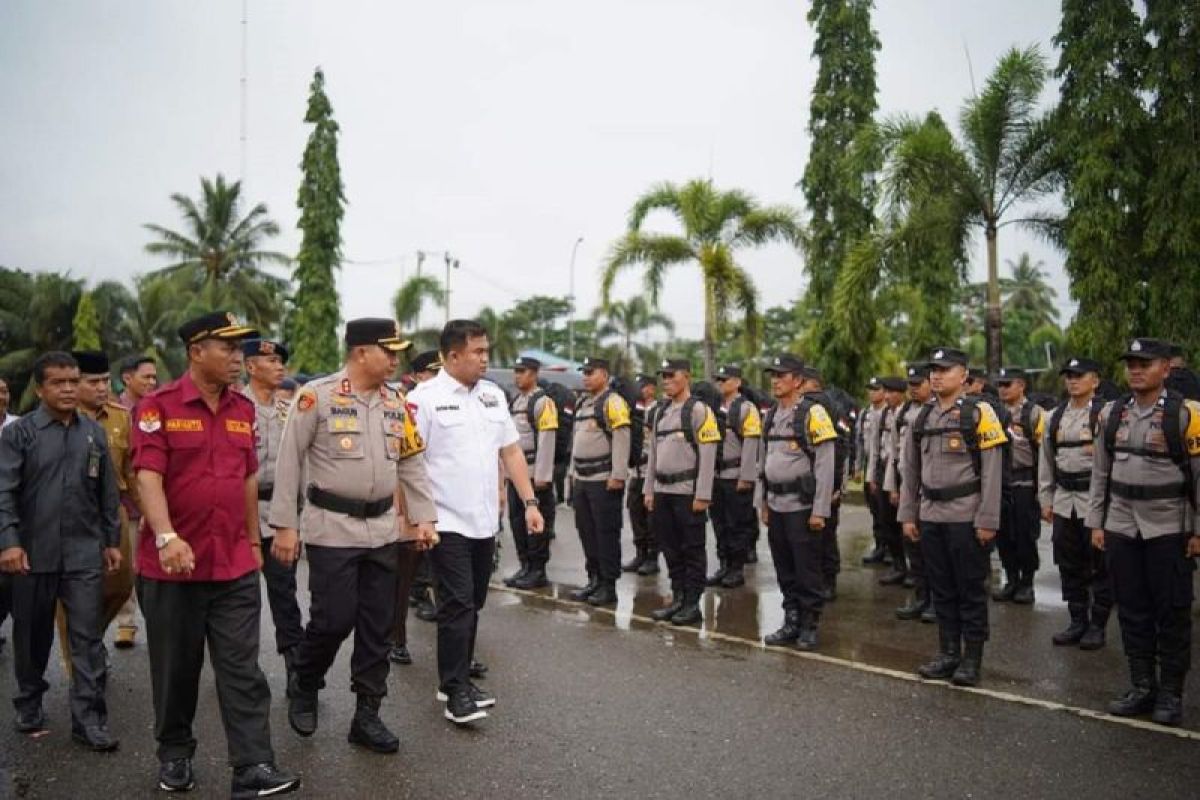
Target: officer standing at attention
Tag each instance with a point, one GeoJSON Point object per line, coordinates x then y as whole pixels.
{"type": "Point", "coordinates": [536, 418]}
{"type": "Point", "coordinates": [867, 455]}
{"type": "Point", "coordinates": [1021, 526]}
{"type": "Point", "coordinates": [199, 556]}
{"type": "Point", "coordinates": [599, 467]}
{"type": "Point", "coordinates": [919, 393]}
{"type": "Point", "coordinates": [357, 444]}
{"type": "Point", "coordinates": [951, 483]}
{"type": "Point", "coordinates": [265, 361]}
{"type": "Point", "coordinates": [679, 488]}
{"type": "Point", "coordinates": [798, 475]}
{"type": "Point", "coordinates": [470, 436]}
{"type": "Point", "coordinates": [1142, 511]}
{"type": "Point", "coordinates": [1064, 480]}
{"type": "Point", "coordinates": [732, 510]}
{"type": "Point", "coordinates": [813, 388]}
{"type": "Point", "coordinates": [645, 559]}
{"type": "Point", "coordinates": [59, 532]}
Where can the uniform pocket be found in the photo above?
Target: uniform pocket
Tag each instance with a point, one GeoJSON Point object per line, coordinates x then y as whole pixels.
{"type": "Point", "coordinates": [347, 446]}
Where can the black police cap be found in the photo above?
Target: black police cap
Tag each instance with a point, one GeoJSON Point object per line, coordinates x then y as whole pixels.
{"type": "Point", "coordinates": [525, 362]}
{"type": "Point", "coordinates": [785, 363]}
{"type": "Point", "coordinates": [376, 330]}
{"type": "Point", "coordinates": [427, 361]}
{"type": "Point", "coordinates": [1146, 349]}
{"type": "Point", "coordinates": [642, 379]}
{"type": "Point", "coordinates": [977, 374]}
{"type": "Point", "coordinates": [591, 362]}
{"type": "Point", "coordinates": [1080, 366]}
{"type": "Point", "coordinates": [1010, 374]}
{"type": "Point", "coordinates": [892, 383]}
{"type": "Point", "coordinates": [874, 382]}
{"type": "Point", "coordinates": [264, 347]}
{"type": "Point", "coordinates": [917, 372]}
{"type": "Point", "coordinates": [217, 325]}
{"type": "Point", "coordinates": [91, 362]}
{"type": "Point", "coordinates": [947, 357]}
{"type": "Point", "coordinates": [728, 371]}
{"type": "Point", "coordinates": [674, 365]}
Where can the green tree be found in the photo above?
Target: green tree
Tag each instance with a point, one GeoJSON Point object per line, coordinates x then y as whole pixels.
{"type": "Point", "coordinates": [839, 188]}
{"type": "Point", "coordinates": [714, 226]}
{"type": "Point", "coordinates": [37, 313]}
{"type": "Point", "coordinates": [500, 336]}
{"type": "Point", "coordinates": [218, 261]}
{"type": "Point", "coordinates": [1027, 291]}
{"type": "Point", "coordinates": [1104, 149]}
{"type": "Point", "coordinates": [625, 321]}
{"type": "Point", "coordinates": [86, 324]}
{"type": "Point", "coordinates": [313, 319]}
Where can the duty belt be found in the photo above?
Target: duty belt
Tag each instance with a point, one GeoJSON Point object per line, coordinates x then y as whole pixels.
{"type": "Point", "coordinates": [359, 509]}
{"type": "Point", "coordinates": [265, 491]}
{"type": "Point", "coordinates": [530, 456]}
{"type": "Point", "coordinates": [729, 463]}
{"type": "Point", "coordinates": [806, 487]}
{"type": "Point", "coordinates": [1160, 492]}
{"type": "Point", "coordinates": [1022, 473]}
{"type": "Point", "coordinates": [1074, 481]}
{"type": "Point", "coordinates": [669, 478]}
{"type": "Point", "coordinates": [593, 466]}
{"type": "Point", "coordinates": [943, 494]}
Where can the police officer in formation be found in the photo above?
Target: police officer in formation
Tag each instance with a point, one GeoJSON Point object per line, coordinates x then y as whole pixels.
{"type": "Point", "coordinates": [1020, 525]}
{"type": "Point", "coordinates": [599, 468]}
{"type": "Point", "coordinates": [536, 418]}
{"type": "Point", "coordinates": [732, 512]}
{"type": "Point", "coordinates": [645, 557]}
{"type": "Point", "coordinates": [1064, 481]}
{"type": "Point", "coordinates": [415, 584]}
{"type": "Point", "coordinates": [797, 468]}
{"type": "Point", "coordinates": [950, 494]}
{"type": "Point", "coordinates": [265, 361]}
{"type": "Point", "coordinates": [813, 388]}
{"type": "Point", "coordinates": [1142, 503]}
{"type": "Point", "coordinates": [866, 457]}
{"type": "Point", "coordinates": [357, 444]}
{"type": "Point", "coordinates": [911, 569]}
{"type": "Point", "coordinates": [679, 488]}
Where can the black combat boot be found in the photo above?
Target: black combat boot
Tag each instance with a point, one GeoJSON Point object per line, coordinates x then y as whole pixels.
{"type": "Point", "coordinates": [895, 576]}
{"type": "Point", "coordinates": [635, 563]}
{"type": "Point", "coordinates": [1142, 695]}
{"type": "Point", "coordinates": [788, 634]}
{"type": "Point", "coordinates": [650, 564]}
{"type": "Point", "coordinates": [915, 607]}
{"type": "Point", "coordinates": [718, 576]}
{"type": "Point", "coordinates": [581, 595]}
{"type": "Point", "coordinates": [808, 631]}
{"type": "Point", "coordinates": [534, 578]}
{"type": "Point", "coordinates": [666, 612]}
{"type": "Point", "coordinates": [752, 553]}
{"type": "Point", "coordinates": [1005, 594]}
{"type": "Point", "coordinates": [1168, 707]}
{"type": "Point", "coordinates": [511, 580]}
{"type": "Point", "coordinates": [875, 556]}
{"type": "Point", "coordinates": [1024, 594]}
{"type": "Point", "coordinates": [735, 577]}
{"type": "Point", "coordinates": [367, 729]}
{"type": "Point", "coordinates": [968, 670]}
{"type": "Point", "coordinates": [302, 708]}
{"type": "Point", "coordinates": [1094, 637]}
{"type": "Point", "coordinates": [1078, 627]}
{"type": "Point", "coordinates": [946, 661]}
{"type": "Point", "coordinates": [690, 613]}
{"type": "Point", "coordinates": [605, 595]}
{"type": "Point", "coordinates": [929, 615]}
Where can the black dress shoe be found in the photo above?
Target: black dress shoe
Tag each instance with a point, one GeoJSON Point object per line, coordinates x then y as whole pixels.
{"type": "Point", "coordinates": [787, 634]}
{"type": "Point", "coordinates": [1168, 709]}
{"type": "Point", "coordinates": [534, 578]}
{"type": "Point", "coordinates": [581, 594]}
{"type": "Point", "coordinates": [929, 615]}
{"type": "Point", "coordinates": [718, 576]}
{"type": "Point", "coordinates": [650, 565]}
{"type": "Point", "coordinates": [478, 670]}
{"type": "Point", "coordinates": [31, 721]}
{"type": "Point", "coordinates": [874, 557]}
{"type": "Point", "coordinates": [1092, 639]}
{"type": "Point", "coordinates": [605, 595]}
{"type": "Point", "coordinates": [1141, 699]}
{"type": "Point", "coordinates": [1006, 593]}
{"type": "Point", "coordinates": [635, 563]}
{"type": "Point", "coordinates": [518, 575]}
{"type": "Point", "coordinates": [176, 775]}
{"type": "Point", "coordinates": [913, 609]}
{"type": "Point", "coordinates": [734, 578]}
{"type": "Point", "coordinates": [807, 640]}
{"type": "Point", "coordinates": [666, 612]}
{"type": "Point", "coordinates": [426, 611]}
{"type": "Point", "coordinates": [399, 655]}
{"type": "Point", "coordinates": [261, 780]}
{"type": "Point", "coordinates": [689, 613]}
{"type": "Point", "coordinates": [95, 738]}
{"type": "Point", "coordinates": [1023, 595]}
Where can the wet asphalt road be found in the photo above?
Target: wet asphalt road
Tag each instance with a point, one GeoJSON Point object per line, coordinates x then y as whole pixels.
{"type": "Point", "coordinates": [595, 703]}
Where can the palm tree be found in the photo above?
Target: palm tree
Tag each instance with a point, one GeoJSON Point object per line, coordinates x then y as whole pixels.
{"type": "Point", "coordinates": [221, 255]}
{"type": "Point", "coordinates": [408, 302]}
{"type": "Point", "coordinates": [500, 335]}
{"type": "Point", "coordinates": [37, 314]}
{"type": "Point", "coordinates": [715, 224]}
{"type": "Point", "coordinates": [1028, 291]}
{"type": "Point", "coordinates": [625, 320]}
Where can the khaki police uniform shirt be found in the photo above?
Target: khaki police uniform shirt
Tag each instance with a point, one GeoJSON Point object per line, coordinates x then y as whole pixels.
{"type": "Point", "coordinates": [1142, 428]}
{"type": "Point", "coordinates": [743, 439]}
{"type": "Point", "coordinates": [1072, 427]}
{"type": "Point", "coordinates": [357, 446]}
{"type": "Point", "coordinates": [868, 428]}
{"type": "Point", "coordinates": [945, 462]}
{"type": "Point", "coordinates": [638, 471]}
{"type": "Point", "coordinates": [897, 437]}
{"type": "Point", "coordinates": [785, 461]}
{"type": "Point", "coordinates": [670, 452]}
{"type": "Point", "coordinates": [1022, 440]}
{"type": "Point", "coordinates": [114, 418]}
{"type": "Point", "coordinates": [539, 437]}
{"type": "Point", "coordinates": [591, 442]}
{"type": "Point", "coordinates": [269, 419]}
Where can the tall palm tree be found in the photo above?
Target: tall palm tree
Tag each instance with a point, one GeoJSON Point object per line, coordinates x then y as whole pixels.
{"type": "Point", "coordinates": [1028, 291]}
{"type": "Point", "coordinates": [37, 314]}
{"type": "Point", "coordinates": [220, 257]}
{"type": "Point", "coordinates": [500, 335]}
{"type": "Point", "coordinates": [624, 320]}
{"type": "Point", "coordinates": [714, 226]}
{"type": "Point", "coordinates": [412, 296]}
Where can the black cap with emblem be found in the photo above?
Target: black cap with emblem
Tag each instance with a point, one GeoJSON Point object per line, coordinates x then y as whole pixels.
{"type": "Point", "coordinates": [1007, 375]}
{"type": "Point", "coordinates": [892, 384]}
{"type": "Point", "coordinates": [671, 365]}
{"type": "Point", "coordinates": [1146, 349]}
{"type": "Point", "coordinates": [785, 363]}
{"type": "Point", "coordinates": [812, 373]}
{"type": "Point", "coordinates": [264, 347]}
{"type": "Point", "coordinates": [874, 383]}
{"type": "Point", "coordinates": [428, 361]}
{"type": "Point", "coordinates": [91, 362]}
{"type": "Point", "coordinates": [525, 362]}
{"type": "Point", "coordinates": [591, 362]}
{"type": "Point", "coordinates": [1080, 366]}
{"type": "Point", "coordinates": [728, 371]}
{"type": "Point", "coordinates": [376, 330]}
{"type": "Point", "coordinates": [977, 374]}
{"type": "Point", "coordinates": [642, 380]}
{"type": "Point", "coordinates": [916, 373]}
{"type": "Point", "coordinates": [947, 357]}
{"type": "Point", "coordinates": [217, 325]}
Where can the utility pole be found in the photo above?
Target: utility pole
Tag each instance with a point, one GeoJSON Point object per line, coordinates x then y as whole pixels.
{"type": "Point", "coordinates": [450, 262]}
{"type": "Point", "coordinates": [242, 126]}
{"type": "Point", "coordinates": [571, 324]}
{"type": "Point", "coordinates": [420, 261]}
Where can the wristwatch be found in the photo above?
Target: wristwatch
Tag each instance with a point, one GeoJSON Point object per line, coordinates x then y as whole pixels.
{"type": "Point", "coordinates": [531, 502]}
{"type": "Point", "coordinates": [161, 540]}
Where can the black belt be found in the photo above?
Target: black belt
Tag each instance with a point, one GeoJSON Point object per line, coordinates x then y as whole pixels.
{"type": "Point", "coordinates": [668, 478]}
{"type": "Point", "coordinates": [359, 509]}
{"type": "Point", "coordinates": [1167, 491]}
{"type": "Point", "coordinates": [1022, 473]}
{"type": "Point", "coordinates": [943, 494]}
{"type": "Point", "coordinates": [1074, 481]}
{"type": "Point", "coordinates": [806, 487]}
{"type": "Point", "coordinates": [530, 457]}
{"type": "Point", "coordinates": [264, 492]}
{"type": "Point", "coordinates": [593, 466]}
{"type": "Point", "coordinates": [729, 463]}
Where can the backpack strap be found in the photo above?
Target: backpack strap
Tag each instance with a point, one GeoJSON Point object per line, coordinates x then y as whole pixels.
{"type": "Point", "coordinates": [531, 415]}
{"type": "Point", "coordinates": [600, 409]}
{"type": "Point", "coordinates": [733, 417]}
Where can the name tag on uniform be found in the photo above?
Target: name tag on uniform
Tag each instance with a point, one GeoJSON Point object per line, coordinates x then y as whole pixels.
{"type": "Point", "coordinates": [238, 426]}
{"type": "Point", "coordinates": [93, 464]}
{"type": "Point", "coordinates": [177, 424]}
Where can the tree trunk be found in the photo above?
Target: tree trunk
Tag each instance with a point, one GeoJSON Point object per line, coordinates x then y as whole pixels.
{"type": "Point", "coordinates": [710, 326]}
{"type": "Point", "coordinates": [994, 324]}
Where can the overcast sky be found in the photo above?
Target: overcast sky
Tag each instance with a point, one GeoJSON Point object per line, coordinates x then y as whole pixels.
{"type": "Point", "coordinates": [500, 131]}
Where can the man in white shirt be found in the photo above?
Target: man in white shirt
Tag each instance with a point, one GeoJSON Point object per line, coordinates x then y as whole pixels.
{"type": "Point", "coordinates": [469, 436]}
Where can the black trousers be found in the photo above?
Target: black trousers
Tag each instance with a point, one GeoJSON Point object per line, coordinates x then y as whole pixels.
{"type": "Point", "coordinates": [680, 534]}
{"type": "Point", "coordinates": [352, 590]}
{"type": "Point", "coordinates": [891, 529]}
{"type": "Point", "coordinates": [797, 551]}
{"type": "Point", "coordinates": [281, 597]}
{"type": "Point", "coordinates": [532, 549]}
{"type": "Point", "coordinates": [831, 553]}
{"type": "Point", "coordinates": [35, 598]}
{"type": "Point", "coordinates": [1085, 581]}
{"type": "Point", "coordinates": [957, 566]}
{"type": "Point", "coordinates": [5, 599]}
{"type": "Point", "coordinates": [598, 518]}
{"type": "Point", "coordinates": [463, 567]}
{"type": "Point", "coordinates": [1152, 583]}
{"type": "Point", "coordinates": [1020, 529]}
{"type": "Point", "coordinates": [877, 532]}
{"type": "Point", "coordinates": [733, 519]}
{"type": "Point", "coordinates": [408, 557]}
{"type": "Point", "coordinates": [915, 557]}
{"type": "Point", "coordinates": [639, 517]}
{"type": "Point", "coordinates": [181, 616]}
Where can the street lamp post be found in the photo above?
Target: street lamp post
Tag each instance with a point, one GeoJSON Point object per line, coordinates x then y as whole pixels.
{"type": "Point", "coordinates": [571, 325]}
{"type": "Point", "coordinates": [450, 262]}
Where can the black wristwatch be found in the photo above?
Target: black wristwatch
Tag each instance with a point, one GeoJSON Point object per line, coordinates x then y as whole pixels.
{"type": "Point", "coordinates": [531, 502]}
